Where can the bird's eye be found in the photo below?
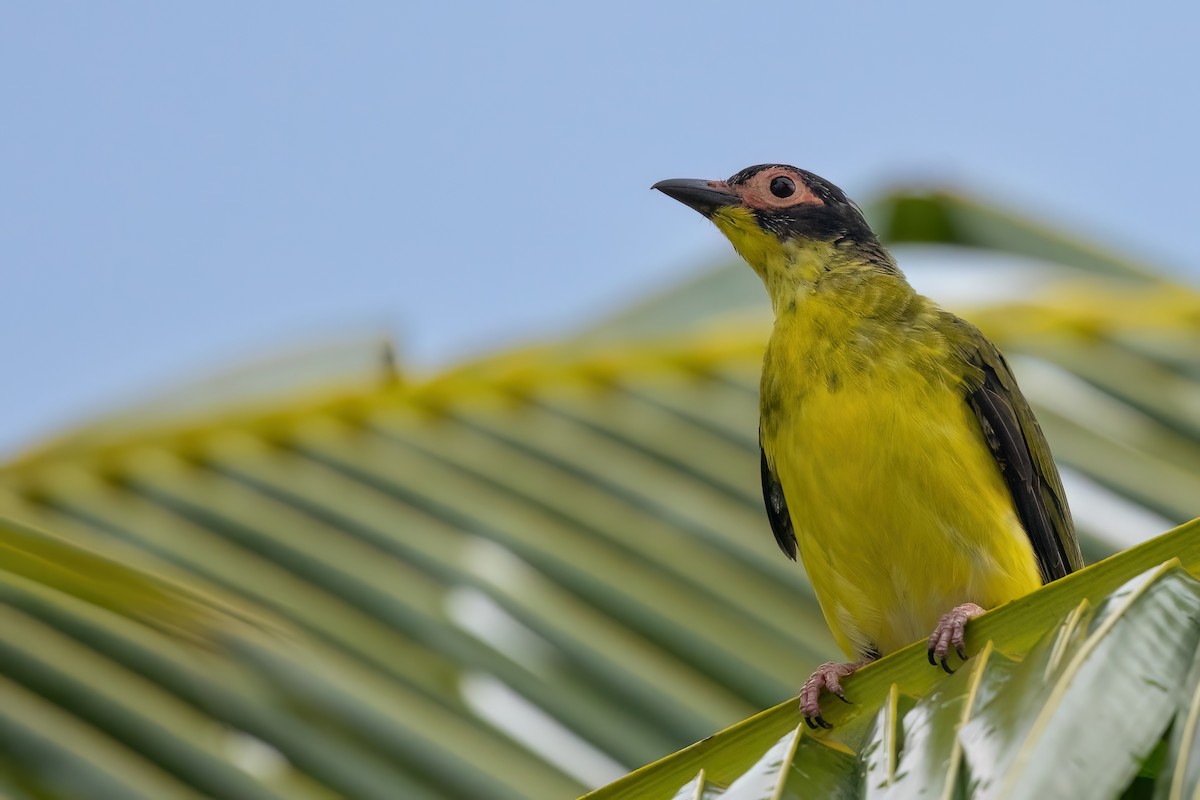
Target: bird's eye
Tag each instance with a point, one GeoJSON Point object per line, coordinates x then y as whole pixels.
{"type": "Point", "coordinates": [782, 187]}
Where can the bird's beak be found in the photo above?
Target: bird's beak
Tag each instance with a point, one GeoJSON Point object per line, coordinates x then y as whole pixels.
{"type": "Point", "coordinates": [703, 196]}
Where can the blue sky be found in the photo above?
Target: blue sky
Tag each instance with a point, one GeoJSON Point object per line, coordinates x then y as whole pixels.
{"type": "Point", "coordinates": [182, 186]}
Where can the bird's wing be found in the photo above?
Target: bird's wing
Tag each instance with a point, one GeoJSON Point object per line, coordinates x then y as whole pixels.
{"type": "Point", "coordinates": [777, 510]}
{"type": "Point", "coordinates": [1020, 449]}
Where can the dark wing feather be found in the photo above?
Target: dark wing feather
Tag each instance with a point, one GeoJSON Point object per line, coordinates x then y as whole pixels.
{"type": "Point", "coordinates": [777, 510]}
{"type": "Point", "coordinates": [1016, 441]}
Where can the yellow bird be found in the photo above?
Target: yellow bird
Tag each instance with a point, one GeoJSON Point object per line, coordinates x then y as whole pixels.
{"type": "Point", "coordinates": [899, 458]}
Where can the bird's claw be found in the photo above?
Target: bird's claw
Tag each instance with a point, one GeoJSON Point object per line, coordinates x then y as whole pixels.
{"type": "Point", "coordinates": [951, 632]}
{"type": "Point", "coordinates": [817, 722]}
{"type": "Point", "coordinates": [828, 677]}
{"type": "Point", "coordinates": [935, 660]}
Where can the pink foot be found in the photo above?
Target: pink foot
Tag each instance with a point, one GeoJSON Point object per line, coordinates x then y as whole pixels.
{"type": "Point", "coordinates": [951, 631]}
{"type": "Point", "coordinates": [828, 676]}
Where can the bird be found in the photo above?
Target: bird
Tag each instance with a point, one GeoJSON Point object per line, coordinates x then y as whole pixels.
{"type": "Point", "coordinates": [899, 458]}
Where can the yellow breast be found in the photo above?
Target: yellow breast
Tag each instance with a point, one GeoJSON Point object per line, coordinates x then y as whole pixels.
{"type": "Point", "coordinates": [899, 508]}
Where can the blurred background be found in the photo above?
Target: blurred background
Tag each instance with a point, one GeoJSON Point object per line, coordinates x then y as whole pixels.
{"type": "Point", "coordinates": [375, 432]}
{"type": "Point", "coordinates": [189, 186]}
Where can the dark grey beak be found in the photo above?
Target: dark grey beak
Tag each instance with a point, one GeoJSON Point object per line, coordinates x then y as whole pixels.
{"type": "Point", "coordinates": [703, 196]}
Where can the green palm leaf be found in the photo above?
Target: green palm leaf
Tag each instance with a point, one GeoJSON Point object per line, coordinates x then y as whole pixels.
{"type": "Point", "coordinates": [1058, 672]}
{"type": "Point", "coordinates": [525, 576]}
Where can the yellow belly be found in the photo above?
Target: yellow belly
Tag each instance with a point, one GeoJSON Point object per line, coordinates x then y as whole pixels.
{"type": "Point", "coordinates": [899, 508]}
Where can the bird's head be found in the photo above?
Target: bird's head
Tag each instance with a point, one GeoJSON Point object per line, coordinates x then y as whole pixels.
{"type": "Point", "coordinates": [790, 225]}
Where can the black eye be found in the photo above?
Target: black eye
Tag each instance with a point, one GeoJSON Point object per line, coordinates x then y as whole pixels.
{"type": "Point", "coordinates": [782, 187]}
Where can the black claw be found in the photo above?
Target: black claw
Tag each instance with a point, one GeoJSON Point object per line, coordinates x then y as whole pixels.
{"type": "Point", "coordinates": [962, 652]}
{"type": "Point", "coordinates": [946, 666]}
{"type": "Point", "coordinates": [932, 660]}
{"type": "Point", "coordinates": [841, 696]}
{"type": "Point", "coordinates": [821, 721]}
{"type": "Point", "coordinates": [809, 722]}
